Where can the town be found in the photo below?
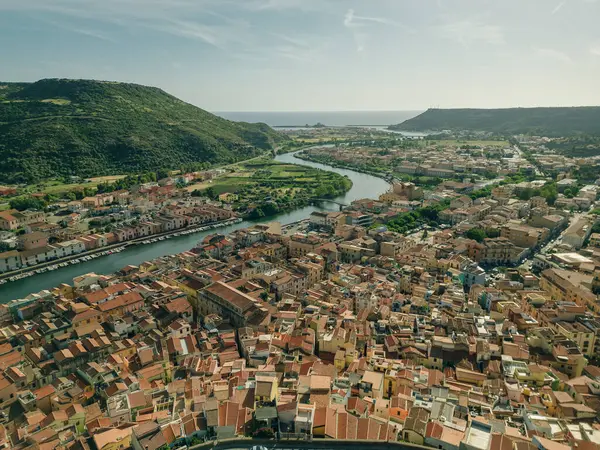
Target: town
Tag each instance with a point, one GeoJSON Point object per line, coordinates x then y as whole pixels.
{"type": "Point", "coordinates": [46, 231]}
{"type": "Point", "coordinates": [458, 311]}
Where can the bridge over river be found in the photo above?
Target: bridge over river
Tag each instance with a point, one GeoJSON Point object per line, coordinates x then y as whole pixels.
{"type": "Point", "coordinates": [364, 186]}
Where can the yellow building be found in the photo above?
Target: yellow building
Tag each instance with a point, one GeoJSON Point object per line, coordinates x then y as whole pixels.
{"type": "Point", "coordinates": [568, 358]}
{"type": "Point", "coordinates": [532, 374]}
{"type": "Point", "coordinates": [578, 333]}
{"type": "Point", "coordinates": [228, 197]}
{"type": "Point", "coordinates": [566, 285]}
{"type": "Point", "coordinates": [549, 403]}
{"type": "Point", "coordinates": [343, 358]}
{"type": "Point", "coordinates": [113, 438]}
{"type": "Point", "coordinates": [266, 389]}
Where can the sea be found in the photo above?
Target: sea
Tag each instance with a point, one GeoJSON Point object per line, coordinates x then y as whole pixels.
{"type": "Point", "coordinates": [329, 118]}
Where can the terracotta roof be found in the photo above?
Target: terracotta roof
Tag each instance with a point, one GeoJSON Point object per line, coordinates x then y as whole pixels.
{"type": "Point", "coordinates": [121, 301]}
{"type": "Point", "coordinates": [112, 436]}
{"type": "Point", "coordinates": [44, 391]}
{"type": "Point", "coordinates": [231, 295]}
{"type": "Point", "coordinates": [417, 420]}
{"type": "Point", "coordinates": [137, 399]}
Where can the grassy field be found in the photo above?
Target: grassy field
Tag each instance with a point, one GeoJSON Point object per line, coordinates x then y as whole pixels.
{"type": "Point", "coordinates": [107, 179]}
{"type": "Point", "coordinates": [260, 179]}
{"type": "Point", "coordinates": [458, 143]}
{"type": "Point", "coordinates": [58, 188]}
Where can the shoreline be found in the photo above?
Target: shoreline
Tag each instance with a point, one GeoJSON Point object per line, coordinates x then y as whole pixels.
{"type": "Point", "coordinates": [32, 280]}
{"type": "Point", "coordinates": [26, 272]}
{"type": "Point", "coordinates": [88, 255]}
{"type": "Point", "coordinates": [337, 165]}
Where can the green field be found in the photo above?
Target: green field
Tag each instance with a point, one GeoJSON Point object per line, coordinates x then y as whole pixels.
{"type": "Point", "coordinates": [273, 187]}
{"type": "Point", "coordinates": [458, 143]}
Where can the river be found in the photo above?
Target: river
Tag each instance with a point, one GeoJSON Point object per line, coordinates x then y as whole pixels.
{"type": "Point", "coordinates": [364, 186]}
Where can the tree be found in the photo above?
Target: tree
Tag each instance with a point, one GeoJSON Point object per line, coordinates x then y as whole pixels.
{"type": "Point", "coordinates": [256, 213]}
{"type": "Point", "coordinates": [210, 192]}
{"type": "Point", "coordinates": [526, 194]}
{"type": "Point", "coordinates": [21, 204]}
{"type": "Point", "coordinates": [477, 234]}
{"type": "Point", "coordinates": [550, 192]}
{"type": "Point", "coordinates": [88, 192]}
{"type": "Point", "coordinates": [264, 296]}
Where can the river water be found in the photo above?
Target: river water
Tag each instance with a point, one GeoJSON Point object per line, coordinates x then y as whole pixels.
{"type": "Point", "coordinates": [364, 186]}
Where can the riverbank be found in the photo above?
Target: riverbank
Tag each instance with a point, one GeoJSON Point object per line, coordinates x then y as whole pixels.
{"type": "Point", "coordinates": [363, 186]}
{"type": "Point", "coordinates": [304, 157]}
{"type": "Point", "coordinates": [55, 264]}
{"type": "Point", "coordinates": [264, 187]}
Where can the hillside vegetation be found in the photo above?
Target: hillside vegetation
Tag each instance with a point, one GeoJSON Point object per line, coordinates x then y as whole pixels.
{"type": "Point", "coordinates": [58, 127]}
{"type": "Point", "coordinates": [549, 122]}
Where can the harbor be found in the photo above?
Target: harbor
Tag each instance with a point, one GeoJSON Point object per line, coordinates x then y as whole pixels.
{"type": "Point", "coordinates": [106, 251]}
{"type": "Point", "coordinates": [364, 186]}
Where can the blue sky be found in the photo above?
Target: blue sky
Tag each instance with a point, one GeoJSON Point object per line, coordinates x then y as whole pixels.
{"type": "Point", "coordinates": [287, 55]}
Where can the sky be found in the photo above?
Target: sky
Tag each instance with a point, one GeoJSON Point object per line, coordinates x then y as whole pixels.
{"type": "Point", "coordinates": [316, 55]}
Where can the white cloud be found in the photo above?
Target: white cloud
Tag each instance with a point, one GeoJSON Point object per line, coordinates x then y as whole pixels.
{"type": "Point", "coordinates": [278, 4]}
{"type": "Point", "coordinates": [182, 28]}
{"type": "Point", "coordinates": [349, 18]}
{"type": "Point", "coordinates": [94, 34]}
{"type": "Point", "coordinates": [360, 24]}
{"type": "Point", "coordinates": [352, 20]}
{"type": "Point", "coordinates": [595, 50]}
{"type": "Point", "coordinates": [468, 31]}
{"type": "Point", "coordinates": [190, 19]}
{"type": "Point", "coordinates": [90, 32]}
{"type": "Point", "coordinates": [298, 42]}
{"type": "Point", "coordinates": [360, 36]}
{"type": "Point", "coordinates": [557, 8]}
{"type": "Point", "coordinates": [294, 47]}
{"type": "Point", "coordinates": [552, 54]}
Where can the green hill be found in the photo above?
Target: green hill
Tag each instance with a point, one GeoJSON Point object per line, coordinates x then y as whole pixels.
{"type": "Point", "coordinates": [534, 121]}
{"type": "Point", "coordinates": [60, 127]}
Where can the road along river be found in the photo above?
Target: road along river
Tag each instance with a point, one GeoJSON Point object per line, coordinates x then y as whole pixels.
{"type": "Point", "coordinates": [364, 186]}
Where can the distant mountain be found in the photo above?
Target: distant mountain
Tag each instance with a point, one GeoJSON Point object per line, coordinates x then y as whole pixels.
{"type": "Point", "coordinates": [82, 127]}
{"type": "Point", "coordinates": [534, 121]}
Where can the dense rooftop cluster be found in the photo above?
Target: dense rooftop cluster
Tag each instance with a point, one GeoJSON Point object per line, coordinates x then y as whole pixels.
{"type": "Point", "coordinates": [475, 330]}
{"type": "Point", "coordinates": [326, 330]}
